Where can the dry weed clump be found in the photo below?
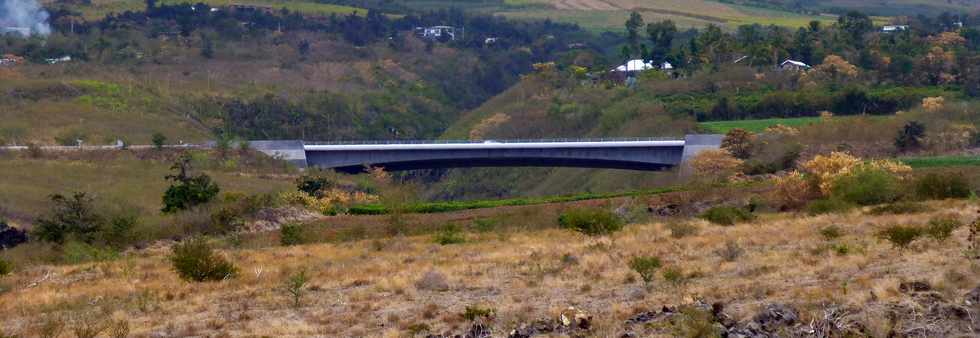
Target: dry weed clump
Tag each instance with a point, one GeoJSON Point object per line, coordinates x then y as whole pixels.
{"type": "Point", "coordinates": [825, 170]}
{"type": "Point", "coordinates": [715, 164]}
{"type": "Point", "coordinates": [933, 104]}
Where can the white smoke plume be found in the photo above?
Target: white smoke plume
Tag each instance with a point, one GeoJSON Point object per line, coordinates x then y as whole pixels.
{"type": "Point", "coordinates": [26, 17]}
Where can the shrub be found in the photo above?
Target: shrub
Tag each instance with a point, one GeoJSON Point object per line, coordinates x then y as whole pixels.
{"type": "Point", "coordinates": [474, 312]}
{"type": "Point", "coordinates": [727, 215]}
{"type": "Point", "coordinates": [195, 260]}
{"type": "Point", "coordinates": [450, 234]}
{"type": "Point", "coordinates": [674, 275]}
{"type": "Point", "coordinates": [791, 191]}
{"type": "Point", "coordinates": [73, 217]}
{"type": "Point", "coordinates": [899, 208]}
{"type": "Point", "coordinates": [74, 252]}
{"type": "Point", "coordinates": [730, 252]}
{"type": "Point", "coordinates": [941, 228]}
{"type": "Point", "coordinates": [831, 232]}
{"type": "Point", "coordinates": [738, 142]}
{"type": "Point", "coordinates": [118, 232]}
{"type": "Point", "coordinates": [159, 140]}
{"type": "Point", "coordinates": [942, 186]}
{"type": "Point", "coordinates": [715, 165]}
{"type": "Point", "coordinates": [295, 286]}
{"type": "Point", "coordinates": [901, 236]}
{"type": "Point", "coordinates": [645, 266]}
{"type": "Point", "coordinates": [5, 267]}
{"type": "Point", "coordinates": [315, 184]}
{"type": "Point", "coordinates": [682, 229]}
{"type": "Point", "coordinates": [910, 136]}
{"type": "Point", "coordinates": [187, 191]}
{"type": "Point", "coordinates": [866, 185]}
{"type": "Point", "coordinates": [828, 206]}
{"type": "Point", "coordinates": [292, 234]}
{"type": "Point", "coordinates": [591, 221]}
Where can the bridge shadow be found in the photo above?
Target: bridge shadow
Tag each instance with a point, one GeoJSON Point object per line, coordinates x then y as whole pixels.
{"type": "Point", "coordinates": [507, 162]}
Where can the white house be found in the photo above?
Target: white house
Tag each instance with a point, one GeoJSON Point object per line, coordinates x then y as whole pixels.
{"type": "Point", "coordinates": [65, 58]}
{"type": "Point", "coordinates": [634, 66]}
{"type": "Point", "coordinates": [793, 65]}
{"type": "Point", "coordinates": [666, 66]}
{"type": "Point", "coordinates": [894, 28]}
{"type": "Point", "coordinates": [436, 32]}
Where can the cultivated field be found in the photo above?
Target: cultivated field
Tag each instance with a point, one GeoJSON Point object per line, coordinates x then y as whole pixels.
{"type": "Point", "coordinates": [610, 14]}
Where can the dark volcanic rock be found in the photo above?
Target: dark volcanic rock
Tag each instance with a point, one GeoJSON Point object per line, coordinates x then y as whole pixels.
{"type": "Point", "coordinates": [11, 237]}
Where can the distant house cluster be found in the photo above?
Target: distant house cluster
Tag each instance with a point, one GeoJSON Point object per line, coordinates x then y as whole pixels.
{"type": "Point", "coordinates": [441, 33]}
{"type": "Point", "coordinates": [11, 60]}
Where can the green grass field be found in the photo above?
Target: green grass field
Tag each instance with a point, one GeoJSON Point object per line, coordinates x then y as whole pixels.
{"type": "Point", "coordinates": [760, 125]}
{"type": "Point", "coordinates": [117, 179]}
{"type": "Point", "coordinates": [942, 161]}
{"type": "Point", "coordinates": [100, 8]}
{"type": "Point", "coordinates": [757, 126]}
{"type": "Point", "coordinates": [436, 207]}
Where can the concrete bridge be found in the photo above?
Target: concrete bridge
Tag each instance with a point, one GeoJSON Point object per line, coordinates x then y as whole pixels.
{"type": "Point", "coordinates": [630, 154]}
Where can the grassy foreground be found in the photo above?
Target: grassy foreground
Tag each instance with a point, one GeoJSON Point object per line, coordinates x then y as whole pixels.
{"type": "Point", "coordinates": [376, 288]}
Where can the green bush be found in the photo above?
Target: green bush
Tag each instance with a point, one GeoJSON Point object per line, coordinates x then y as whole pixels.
{"type": "Point", "coordinates": [292, 234]}
{"type": "Point", "coordinates": [187, 191]}
{"type": "Point", "coordinates": [74, 252]}
{"type": "Point", "coordinates": [645, 266]}
{"type": "Point", "coordinates": [474, 312]}
{"type": "Point", "coordinates": [867, 186]}
{"type": "Point", "coordinates": [899, 208]}
{"type": "Point", "coordinates": [314, 184]}
{"type": "Point", "coordinates": [942, 186]}
{"type": "Point", "coordinates": [727, 215]}
{"type": "Point", "coordinates": [831, 232]}
{"type": "Point", "coordinates": [118, 232]}
{"type": "Point", "coordinates": [591, 221]}
{"type": "Point", "coordinates": [5, 267]}
{"type": "Point", "coordinates": [828, 206]}
{"type": "Point", "coordinates": [674, 275]}
{"type": "Point", "coordinates": [901, 236]}
{"type": "Point", "coordinates": [70, 217]}
{"type": "Point", "coordinates": [195, 260]}
{"type": "Point", "coordinates": [159, 140]}
{"type": "Point", "coordinates": [941, 228]}
{"type": "Point", "coordinates": [450, 234]}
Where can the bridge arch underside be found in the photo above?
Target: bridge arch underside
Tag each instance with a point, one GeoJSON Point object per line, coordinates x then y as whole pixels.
{"type": "Point", "coordinates": [646, 159]}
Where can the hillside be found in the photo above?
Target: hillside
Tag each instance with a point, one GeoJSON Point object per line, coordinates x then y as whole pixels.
{"type": "Point", "coordinates": [523, 280]}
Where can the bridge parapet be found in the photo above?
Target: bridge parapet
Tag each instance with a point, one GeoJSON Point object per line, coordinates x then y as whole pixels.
{"type": "Point", "coordinates": [616, 153]}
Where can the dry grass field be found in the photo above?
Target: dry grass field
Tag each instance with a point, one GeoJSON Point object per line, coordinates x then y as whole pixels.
{"type": "Point", "coordinates": [373, 288]}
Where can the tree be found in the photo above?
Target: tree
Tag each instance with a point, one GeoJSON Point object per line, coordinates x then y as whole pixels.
{"type": "Point", "coordinates": [70, 217]}
{"type": "Point", "coordinates": [187, 191]}
{"type": "Point", "coordinates": [739, 143]}
{"type": "Point", "coordinates": [661, 35]}
{"type": "Point", "coordinates": [855, 24]}
{"type": "Point", "coordinates": [159, 140]}
{"type": "Point", "coordinates": [910, 137]}
{"type": "Point", "coordinates": [207, 47]}
{"type": "Point", "coordinates": [633, 31]}
{"type": "Point", "coordinates": [715, 165]}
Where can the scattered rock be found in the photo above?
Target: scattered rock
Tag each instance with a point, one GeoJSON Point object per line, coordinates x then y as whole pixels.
{"type": "Point", "coordinates": [914, 286]}
{"type": "Point", "coordinates": [432, 281]}
{"type": "Point", "coordinates": [575, 318]}
{"type": "Point", "coordinates": [972, 298]}
{"type": "Point", "coordinates": [665, 210]}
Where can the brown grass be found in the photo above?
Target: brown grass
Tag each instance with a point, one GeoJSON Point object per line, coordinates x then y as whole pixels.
{"type": "Point", "coordinates": [366, 288]}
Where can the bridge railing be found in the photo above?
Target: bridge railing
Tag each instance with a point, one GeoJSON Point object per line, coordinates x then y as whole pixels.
{"type": "Point", "coordinates": [547, 140]}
